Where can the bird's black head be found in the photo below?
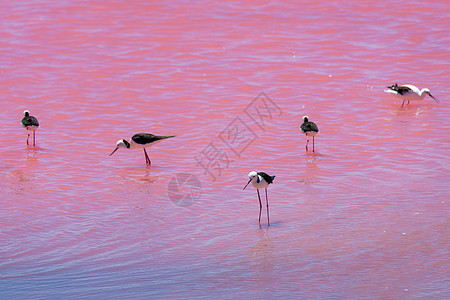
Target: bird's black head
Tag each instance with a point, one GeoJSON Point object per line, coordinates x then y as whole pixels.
{"type": "Point", "coordinates": [305, 119]}
{"type": "Point", "coordinates": [26, 113]}
{"type": "Point", "coordinates": [393, 87]}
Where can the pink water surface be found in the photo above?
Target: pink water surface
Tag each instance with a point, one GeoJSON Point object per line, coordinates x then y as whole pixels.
{"type": "Point", "coordinates": [366, 216]}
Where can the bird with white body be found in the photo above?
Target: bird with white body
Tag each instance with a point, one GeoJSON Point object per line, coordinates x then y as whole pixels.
{"type": "Point", "coordinates": [260, 180]}
{"type": "Point", "coordinates": [409, 92]}
{"type": "Point", "coordinates": [31, 124]}
{"type": "Point", "coordinates": [141, 140]}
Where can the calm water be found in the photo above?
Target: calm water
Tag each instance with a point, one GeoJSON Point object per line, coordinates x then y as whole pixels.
{"type": "Point", "coordinates": [366, 216]}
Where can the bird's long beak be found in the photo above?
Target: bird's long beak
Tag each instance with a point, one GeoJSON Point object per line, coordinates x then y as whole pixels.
{"type": "Point", "coordinates": [437, 101]}
{"type": "Point", "coordinates": [114, 151]}
{"type": "Point", "coordinates": [247, 184]}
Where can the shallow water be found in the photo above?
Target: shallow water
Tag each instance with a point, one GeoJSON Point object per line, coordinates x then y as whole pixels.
{"type": "Point", "coordinates": [365, 216]}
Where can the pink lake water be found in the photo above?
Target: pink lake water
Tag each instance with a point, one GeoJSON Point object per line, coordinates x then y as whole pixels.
{"type": "Point", "coordinates": [364, 217]}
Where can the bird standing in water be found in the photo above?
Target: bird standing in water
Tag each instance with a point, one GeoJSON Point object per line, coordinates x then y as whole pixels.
{"type": "Point", "coordinates": [141, 140]}
{"type": "Point", "coordinates": [409, 92]}
{"type": "Point", "coordinates": [260, 180]}
{"type": "Point", "coordinates": [309, 129]}
{"type": "Point", "coordinates": [31, 124]}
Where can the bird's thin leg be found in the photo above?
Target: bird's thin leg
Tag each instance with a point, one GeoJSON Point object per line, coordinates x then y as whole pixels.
{"type": "Point", "coordinates": [408, 102]}
{"type": "Point", "coordinates": [307, 141]}
{"type": "Point", "coordinates": [260, 207]}
{"type": "Point", "coordinates": [34, 138]}
{"type": "Point", "coordinates": [267, 202]}
{"type": "Point", "coordinates": [147, 159]}
{"type": "Point", "coordinates": [313, 144]}
{"type": "Point", "coordinates": [145, 156]}
{"type": "Point", "coordinates": [28, 136]}
{"type": "Point", "coordinates": [403, 102]}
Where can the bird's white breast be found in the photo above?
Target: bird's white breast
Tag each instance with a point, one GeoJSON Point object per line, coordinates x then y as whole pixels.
{"type": "Point", "coordinates": [31, 127]}
{"type": "Point", "coordinates": [311, 133]}
{"type": "Point", "coordinates": [262, 184]}
{"type": "Point", "coordinates": [134, 145]}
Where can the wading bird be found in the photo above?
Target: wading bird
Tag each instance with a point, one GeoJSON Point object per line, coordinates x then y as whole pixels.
{"type": "Point", "coordinates": [309, 129]}
{"type": "Point", "coordinates": [409, 92]}
{"type": "Point", "coordinates": [260, 180]}
{"type": "Point", "coordinates": [31, 124]}
{"type": "Point", "coordinates": [141, 140]}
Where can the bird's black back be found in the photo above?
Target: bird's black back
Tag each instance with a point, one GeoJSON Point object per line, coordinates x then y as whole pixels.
{"type": "Point", "coordinates": [401, 90]}
{"type": "Point", "coordinates": [269, 179]}
{"type": "Point", "coordinates": [148, 138]}
{"type": "Point", "coordinates": [309, 126]}
{"type": "Point", "coordinates": [29, 121]}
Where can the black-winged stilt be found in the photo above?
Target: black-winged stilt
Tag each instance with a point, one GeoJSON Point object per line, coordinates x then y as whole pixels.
{"type": "Point", "coordinates": [409, 92]}
{"type": "Point", "coordinates": [260, 180]}
{"type": "Point", "coordinates": [141, 140]}
{"type": "Point", "coordinates": [309, 129]}
{"type": "Point", "coordinates": [31, 124]}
